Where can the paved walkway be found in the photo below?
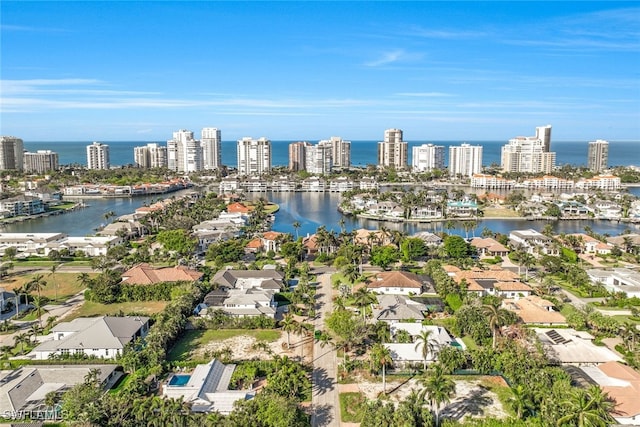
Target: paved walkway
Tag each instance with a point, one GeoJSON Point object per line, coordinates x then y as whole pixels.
{"type": "Point", "coordinates": [325, 401]}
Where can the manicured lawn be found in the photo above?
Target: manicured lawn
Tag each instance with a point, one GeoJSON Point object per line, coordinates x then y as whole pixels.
{"type": "Point", "coordinates": [67, 284]}
{"type": "Point", "coordinates": [194, 339]}
{"type": "Point", "coordinates": [352, 407]}
{"type": "Point", "coordinates": [92, 309]}
{"type": "Point", "coordinates": [469, 342]}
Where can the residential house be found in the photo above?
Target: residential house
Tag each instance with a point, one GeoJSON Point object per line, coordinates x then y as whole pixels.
{"type": "Point", "coordinates": [606, 209]}
{"type": "Point", "coordinates": [7, 300]}
{"type": "Point", "coordinates": [404, 354]}
{"type": "Point", "coordinates": [462, 208]}
{"type": "Point", "coordinates": [248, 302]}
{"type": "Point", "coordinates": [626, 242]}
{"type": "Point", "coordinates": [368, 183]}
{"type": "Point", "coordinates": [144, 274]}
{"type": "Point", "coordinates": [571, 208]}
{"type": "Point", "coordinates": [494, 281]}
{"type": "Point", "coordinates": [489, 247]}
{"type": "Point", "coordinates": [533, 242]}
{"type": "Point", "coordinates": [427, 211]}
{"type": "Point", "coordinates": [229, 185]}
{"type": "Point", "coordinates": [23, 390]}
{"type": "Point", "coordinates": [244, 279]}
{"type": "Point", "coordinates": [535, 310]}
{"type": "Point", "coordinates": [399, 282]}
{"type": "Point", "coordinates": [102, 337]}
{"type": "Point", "coordinates": [206, 388]}
{"type": "Point", "coordinates": [429, 239]}
{"type": "Point", "coordinates": [571, 347]}
{"type": "Point", "coordinates": [622, 384]}
{"type": "Point", "coordinates": [398, 308]}
{"type": "Point", "coordinates": [29, 243]}
{"type": "Point", "coordinates": [625, 280]}
{"type": "Point", "coordinates": [92, 246]}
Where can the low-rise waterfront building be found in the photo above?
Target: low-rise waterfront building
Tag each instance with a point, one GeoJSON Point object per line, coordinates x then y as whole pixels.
{"type": "Point", "coordinates": [92, 246]}
{"type": "Point", "coordinates": [533, 242]}
{"type": "Point", "coordinates": [491, 182]}
{"type": "Point", "coordinates": [21, 205]}
{"type": "Point", "coordinates": [600, 182]}
{"type": "Point", "coordinates": [29, 243]}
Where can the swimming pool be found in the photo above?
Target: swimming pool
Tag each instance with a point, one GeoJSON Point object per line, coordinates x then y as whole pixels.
{"type": "Point", "coordinates": [179, 380]}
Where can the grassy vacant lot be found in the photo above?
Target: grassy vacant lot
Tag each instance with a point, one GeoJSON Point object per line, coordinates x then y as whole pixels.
{"type": "Point", "coordinates": [500, 213]}
{"type": "Point", "coordinates": [92, 309]}
{"type": "Point", "coordinates": [67, 284]}
{"type": "Point", "coordinates": [193, 339]}
{"type": "Point", "coordinates": [352, 407]}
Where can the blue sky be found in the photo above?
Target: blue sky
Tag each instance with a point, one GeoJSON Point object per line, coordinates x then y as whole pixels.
{"type": "Point", "coordinates": [310, 70]}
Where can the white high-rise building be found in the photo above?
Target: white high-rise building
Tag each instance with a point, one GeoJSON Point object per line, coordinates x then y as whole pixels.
{"type": "Point", "coordinates": [254, 156]}
{"type": "Point", "coordinates": [598, 157]}
{"type": "Point", "coordinates": [184, 153]}
{"type": "Point", "coordinates": [427, 157]}
{"type": "Point", "coordinates": [152, 155]}
{"type": "Point", "coordinates": [11, 153]}
{"type": "Point", "coordinates": [529, 154]}
{"type": "Point", "coordinates": [318, 158]}
{"type": "Point", "coordinates": [210, 140]}
{"type": "Point", "coordinates": [340, 151]}
{"type": "Point", "coordinates": [41, 161]}
{"type": "Point", "coordinates": [98, 156]}
{"type": "Point", "coordinates": [392, 152]}
{"type": "Point", "coordinates": [465, 160]}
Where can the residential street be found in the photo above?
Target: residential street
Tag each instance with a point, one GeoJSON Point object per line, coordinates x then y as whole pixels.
{"type": "Point", "coordinates": [325, 402]}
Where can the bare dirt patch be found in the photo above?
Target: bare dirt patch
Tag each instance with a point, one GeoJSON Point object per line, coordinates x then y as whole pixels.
{"type": "Point", "coordinates": [245, 347]}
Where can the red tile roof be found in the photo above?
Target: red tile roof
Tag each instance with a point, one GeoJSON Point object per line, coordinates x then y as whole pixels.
{"type": "Point", "coordinates": [144, 274]}
{"type": "Point", "coordinates": [395, 279]}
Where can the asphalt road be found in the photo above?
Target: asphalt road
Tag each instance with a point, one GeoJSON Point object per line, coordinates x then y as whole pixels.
{"type": "Point", "coordinates": [325, 402]}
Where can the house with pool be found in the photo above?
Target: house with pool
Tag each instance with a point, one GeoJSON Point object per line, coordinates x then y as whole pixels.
{"type": "Point", "coordinates": [206, 389]}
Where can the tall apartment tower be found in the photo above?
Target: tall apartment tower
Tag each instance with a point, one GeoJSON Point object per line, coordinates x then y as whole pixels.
{"type": "Point", "coordinates": [340, 151]}
{"type": "Point", "coordinates": [152, 155]}
{"type": "Point", "coordinates": [254, 156]}
{"type": "Point", "coordinates": [543, 133]}
{"type": "Point", "coordinates": [297, 152]}
{"type": "Point", "coordinates": [529, 154]}
{"type": "Point", "coordinates": [598, 157]}
{"type": "Point", "coordinates": [210, 140]}
{"type": "Point", "coordinates": [465, 160]}
{"type": "Point", "coordinates": [318, 158]}
{"type": "Point", "coordinates": [184, 153]}
{"type": "Point", "coordinates": [392, 152]}
{"type": "Point", "coordinates": [98, 156]}
{"type": "Point", "coordinates": [427, 157]}
{"type": "Point", "coordinates": [11, 153]}
{"type": "Point", "coordinates": [41, 161]}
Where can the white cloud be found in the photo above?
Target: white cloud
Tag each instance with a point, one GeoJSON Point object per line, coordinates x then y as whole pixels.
{"type": "Point", "coordinates": [398, 55]}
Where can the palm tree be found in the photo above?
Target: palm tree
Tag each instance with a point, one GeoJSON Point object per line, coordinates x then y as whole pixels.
{"type": "Point", "coordinates": [296, 226]}
{"type": "Point", "coordinates": [54, 268]}
{"type": "Point", "coordinates": [289, 324]}
{"type": "Point", "coordinates": [381, 357]}
{"type": "Point", "coordinates": [21, 339]}
{"type": "Point", "coordinates": [589, 407]}
{"type": "Point", "coordinates": [438, 389]}
{"type": "Point", "coordinates": [363, 298]}
{"type": "Point", "coordinates": [38, 303]}
{"type": "Point", "coordinates": [37, 283]}
{"type": "Point", "coordinates": [520, 401]}
{"type": "Point", "coordinates": [426, 344]}
{"type": "Point", "coordinates": [496, 319]}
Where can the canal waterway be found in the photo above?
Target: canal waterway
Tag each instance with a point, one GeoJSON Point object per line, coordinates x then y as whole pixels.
{"type": "Point", "coordinates": [311, 210]}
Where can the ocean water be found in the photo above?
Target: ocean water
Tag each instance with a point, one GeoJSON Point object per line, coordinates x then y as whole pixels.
{"type": "Point", "coordinates": [362, 152]}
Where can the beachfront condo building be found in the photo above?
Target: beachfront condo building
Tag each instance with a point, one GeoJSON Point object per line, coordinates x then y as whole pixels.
{"type": "Point", "coordinates": [529, 154]}
{"type": "Point", "coordinates": [598, 157]}
{"type": "Point", "coordinates": [254, 156]}
{"type": "Point", "coordinates": [41, 161]}
{"type": "Point", "coordinates": [11, 153]}
{"type": "Point", "coordinates": [184, 153]}
{"type": "Point", "coordinates": [427, 157]}
{"type": "Point", "coordinates": [211, 139]}
{"type": "Point", "coordinates": [340, 151]}
{"type": "Point", "coordinates": [150, 156]}
{"type": "Point", "coordinates": [297, 151]}
{"type": "Point", "coordinates": [465, 160]}
{"type": "Point", "coordinates": [98, 156]}
{"type": "Point", "coordinates": [317, 158]}
{"type": "Point", "coordinates": [392, 152]}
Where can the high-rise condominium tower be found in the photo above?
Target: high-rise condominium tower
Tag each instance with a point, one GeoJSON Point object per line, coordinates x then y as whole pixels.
{"type": "Point", "coordinates": [41, 161]}
{"type": "Point", "coordinates": [392, 152]}
{"type": "Point", "coordinates": [152, 155]}
{"type": "Point", "coordinates": [598, 158]}
{"type": "Point", "coordinates": [11, 149]}
{"type": "Point", "coordinates": [529, 154]}
{"type": "Point", "coordinates": [297, 151]}
{"type": "Point", "coordinates": [427, 157]}
{"type": "Point", "coordinates": [465, 160]}
{"type": "Point", "coordinates": [318, 158]}
{"type": "Point", "coordinates": [98, 156]}
{"type": "Point", "coordinates": [211, 151]}
{"type": "Point", "coordinates": [254, 156]}
{"type": "Point", "coordinates": [184, 153]}
{"type": "Point", "coordinates": [340, 151]}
